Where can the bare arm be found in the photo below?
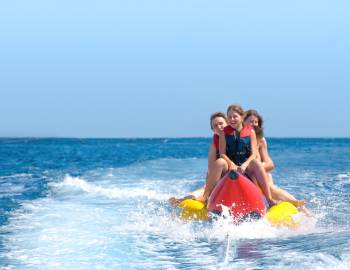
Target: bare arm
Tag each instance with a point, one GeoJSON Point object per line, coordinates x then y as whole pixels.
{"type": "Point", "coordinates": [265, 157]}
{"type": "Point", "coordinates": [253, 154]}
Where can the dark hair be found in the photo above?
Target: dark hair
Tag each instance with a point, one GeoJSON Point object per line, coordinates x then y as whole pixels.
{"type": "Point", "coordinates": [257, 115]}
{"type": "Point", "coordinates": [236, 108]}
{"type": "Point", "coordinates": [259, 132]}
{"type": "Point", "coordinates": [214, 115]}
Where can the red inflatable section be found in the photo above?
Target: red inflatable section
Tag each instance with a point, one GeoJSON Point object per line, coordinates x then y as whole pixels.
{"type": "Point", "coordinates": [240, 195]}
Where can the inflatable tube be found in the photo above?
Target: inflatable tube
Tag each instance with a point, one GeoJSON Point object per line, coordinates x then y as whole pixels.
{"type": "Point", "coordinates": [243, 201]}
{"type": "Point", "coordinates": [239, 195]}
{"type": "Point", "coordinates": [193, 210]}
{"type": "Point", "coordinates": [282, 215]}
{"type": "Point", "coordinates": [278, 215]}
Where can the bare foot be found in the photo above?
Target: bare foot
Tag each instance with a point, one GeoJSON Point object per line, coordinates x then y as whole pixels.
{"type": "Point", "coordinates": [173, 201]}
{"type": "Point", "coordinates": [298, 203]}
{"type": "Point", "coordinates": [201, 198]}
{"type": "Point", "coordinates": [271, 202]}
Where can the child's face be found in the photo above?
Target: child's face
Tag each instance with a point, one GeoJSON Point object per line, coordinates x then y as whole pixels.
{"type": "Point", "coordinates": [218, 124]}
{"type": "Point", "coordinates": [234, 119]}
{"type": "Point", "coordinates": [252, 120]}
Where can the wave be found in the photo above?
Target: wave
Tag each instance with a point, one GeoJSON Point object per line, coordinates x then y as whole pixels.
{"type": "Point", "coordinates": [342, 181]}
{"type": "Point", "coordinates": [61, 232]}
{"type": "Point", "coordinates": [17, 175]}
{"type": "Point", "coordinates": [109, 192]}
{"type": "Point", "coordinates": [343, 175]}
{"type": "Point", "coordinates": [8, 190]}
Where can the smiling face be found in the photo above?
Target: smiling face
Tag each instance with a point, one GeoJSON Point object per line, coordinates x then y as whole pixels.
{"type": "Point", "coordinates": [252, 120]}
{"type": "Point", "coordinates": [218, 124]}
{"type": "Point", "coordinates": [234, 119]}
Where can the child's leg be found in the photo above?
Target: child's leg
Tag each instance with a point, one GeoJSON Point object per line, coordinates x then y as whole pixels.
{"type": "Point", "coordinates": [258, 172]}
{"type": "Point", "coordinates": [197, 192]}
{"type": "Point", "coordinates": [281, 194]}
{"type": "Point", "coordinates": [194, 194]}
{"type": "Point", "coordinates": [270, 179]}
{"type": "Point", "coordinates": [220, 166]}
{"type": "Point", "coordinates": [174, 201]}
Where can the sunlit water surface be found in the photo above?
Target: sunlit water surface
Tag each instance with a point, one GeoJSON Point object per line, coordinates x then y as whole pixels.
{"type": "Point", "coordinates": [102, 204]}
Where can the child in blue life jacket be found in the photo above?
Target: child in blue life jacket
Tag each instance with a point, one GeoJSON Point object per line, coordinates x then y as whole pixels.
{"type": "Point", "coordinates": [238, 147]}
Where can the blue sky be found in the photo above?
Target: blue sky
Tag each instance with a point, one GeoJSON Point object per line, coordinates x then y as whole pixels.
{"type": "Point", "coordinates": [159, 68]}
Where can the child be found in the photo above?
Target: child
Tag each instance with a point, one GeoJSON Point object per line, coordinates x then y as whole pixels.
{"type": "Point", "coordinates": [238, 146]}
{"type": "Point", "coordinates": [254, 119]}
{"type": "Point", "coordinates": [216, 165]}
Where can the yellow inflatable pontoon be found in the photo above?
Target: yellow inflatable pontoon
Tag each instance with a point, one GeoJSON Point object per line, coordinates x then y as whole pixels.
{"type": "Point", "coordinates": [278, 215]}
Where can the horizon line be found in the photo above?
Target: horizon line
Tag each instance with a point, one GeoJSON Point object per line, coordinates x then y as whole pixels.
{"type": "Point", "coordinates": [184, 137]}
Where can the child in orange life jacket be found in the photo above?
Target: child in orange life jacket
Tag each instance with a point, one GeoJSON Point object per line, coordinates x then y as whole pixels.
{"type": "Point", "coordinates": [253, 118]}
{"type": "Point", "coordinates": [216, 165]}
{"type": "Point", "coordinates": [238, 146]}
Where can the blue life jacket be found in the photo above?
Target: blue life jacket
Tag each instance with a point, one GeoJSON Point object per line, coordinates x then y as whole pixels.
{"type": "Point", "coordinates": [238, 144]}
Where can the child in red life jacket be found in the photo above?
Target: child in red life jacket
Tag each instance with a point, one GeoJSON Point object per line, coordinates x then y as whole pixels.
{"type": "Point", "coordinates": [217, 166]}
{"type": "Point", "coordinates": [238, 147]}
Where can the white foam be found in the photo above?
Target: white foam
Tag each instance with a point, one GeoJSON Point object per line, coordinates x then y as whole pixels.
{"type": "Point", "coordinates": [109, 192]}
{"type": "Point", "coordinates": [52, 233]}
{"type": "Point", "coordinates": [102, 221]}
{"type": "Point", "coordinates": [17, 175]}
{"type": "Point", "coordinates": [342, 180]}
{"type": "Point", "coordinates": [343, 176]}
{"type": "Point", "coordinates": [9, 189]}
{"type": "Point", "coordinates": [311, 260]}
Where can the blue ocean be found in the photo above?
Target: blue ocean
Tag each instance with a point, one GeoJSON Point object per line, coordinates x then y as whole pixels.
{"type": "Point", "coordinates": [102, 204]}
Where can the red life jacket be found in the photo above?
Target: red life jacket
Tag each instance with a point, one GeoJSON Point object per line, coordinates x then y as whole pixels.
{"type": "Point", "coordinates": [216, 141]}
{"type": "Point", "coordinates": [216, 145]}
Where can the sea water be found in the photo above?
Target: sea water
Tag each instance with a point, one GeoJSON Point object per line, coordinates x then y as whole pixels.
{"type": "Point", "coordinates": [102, 204]}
